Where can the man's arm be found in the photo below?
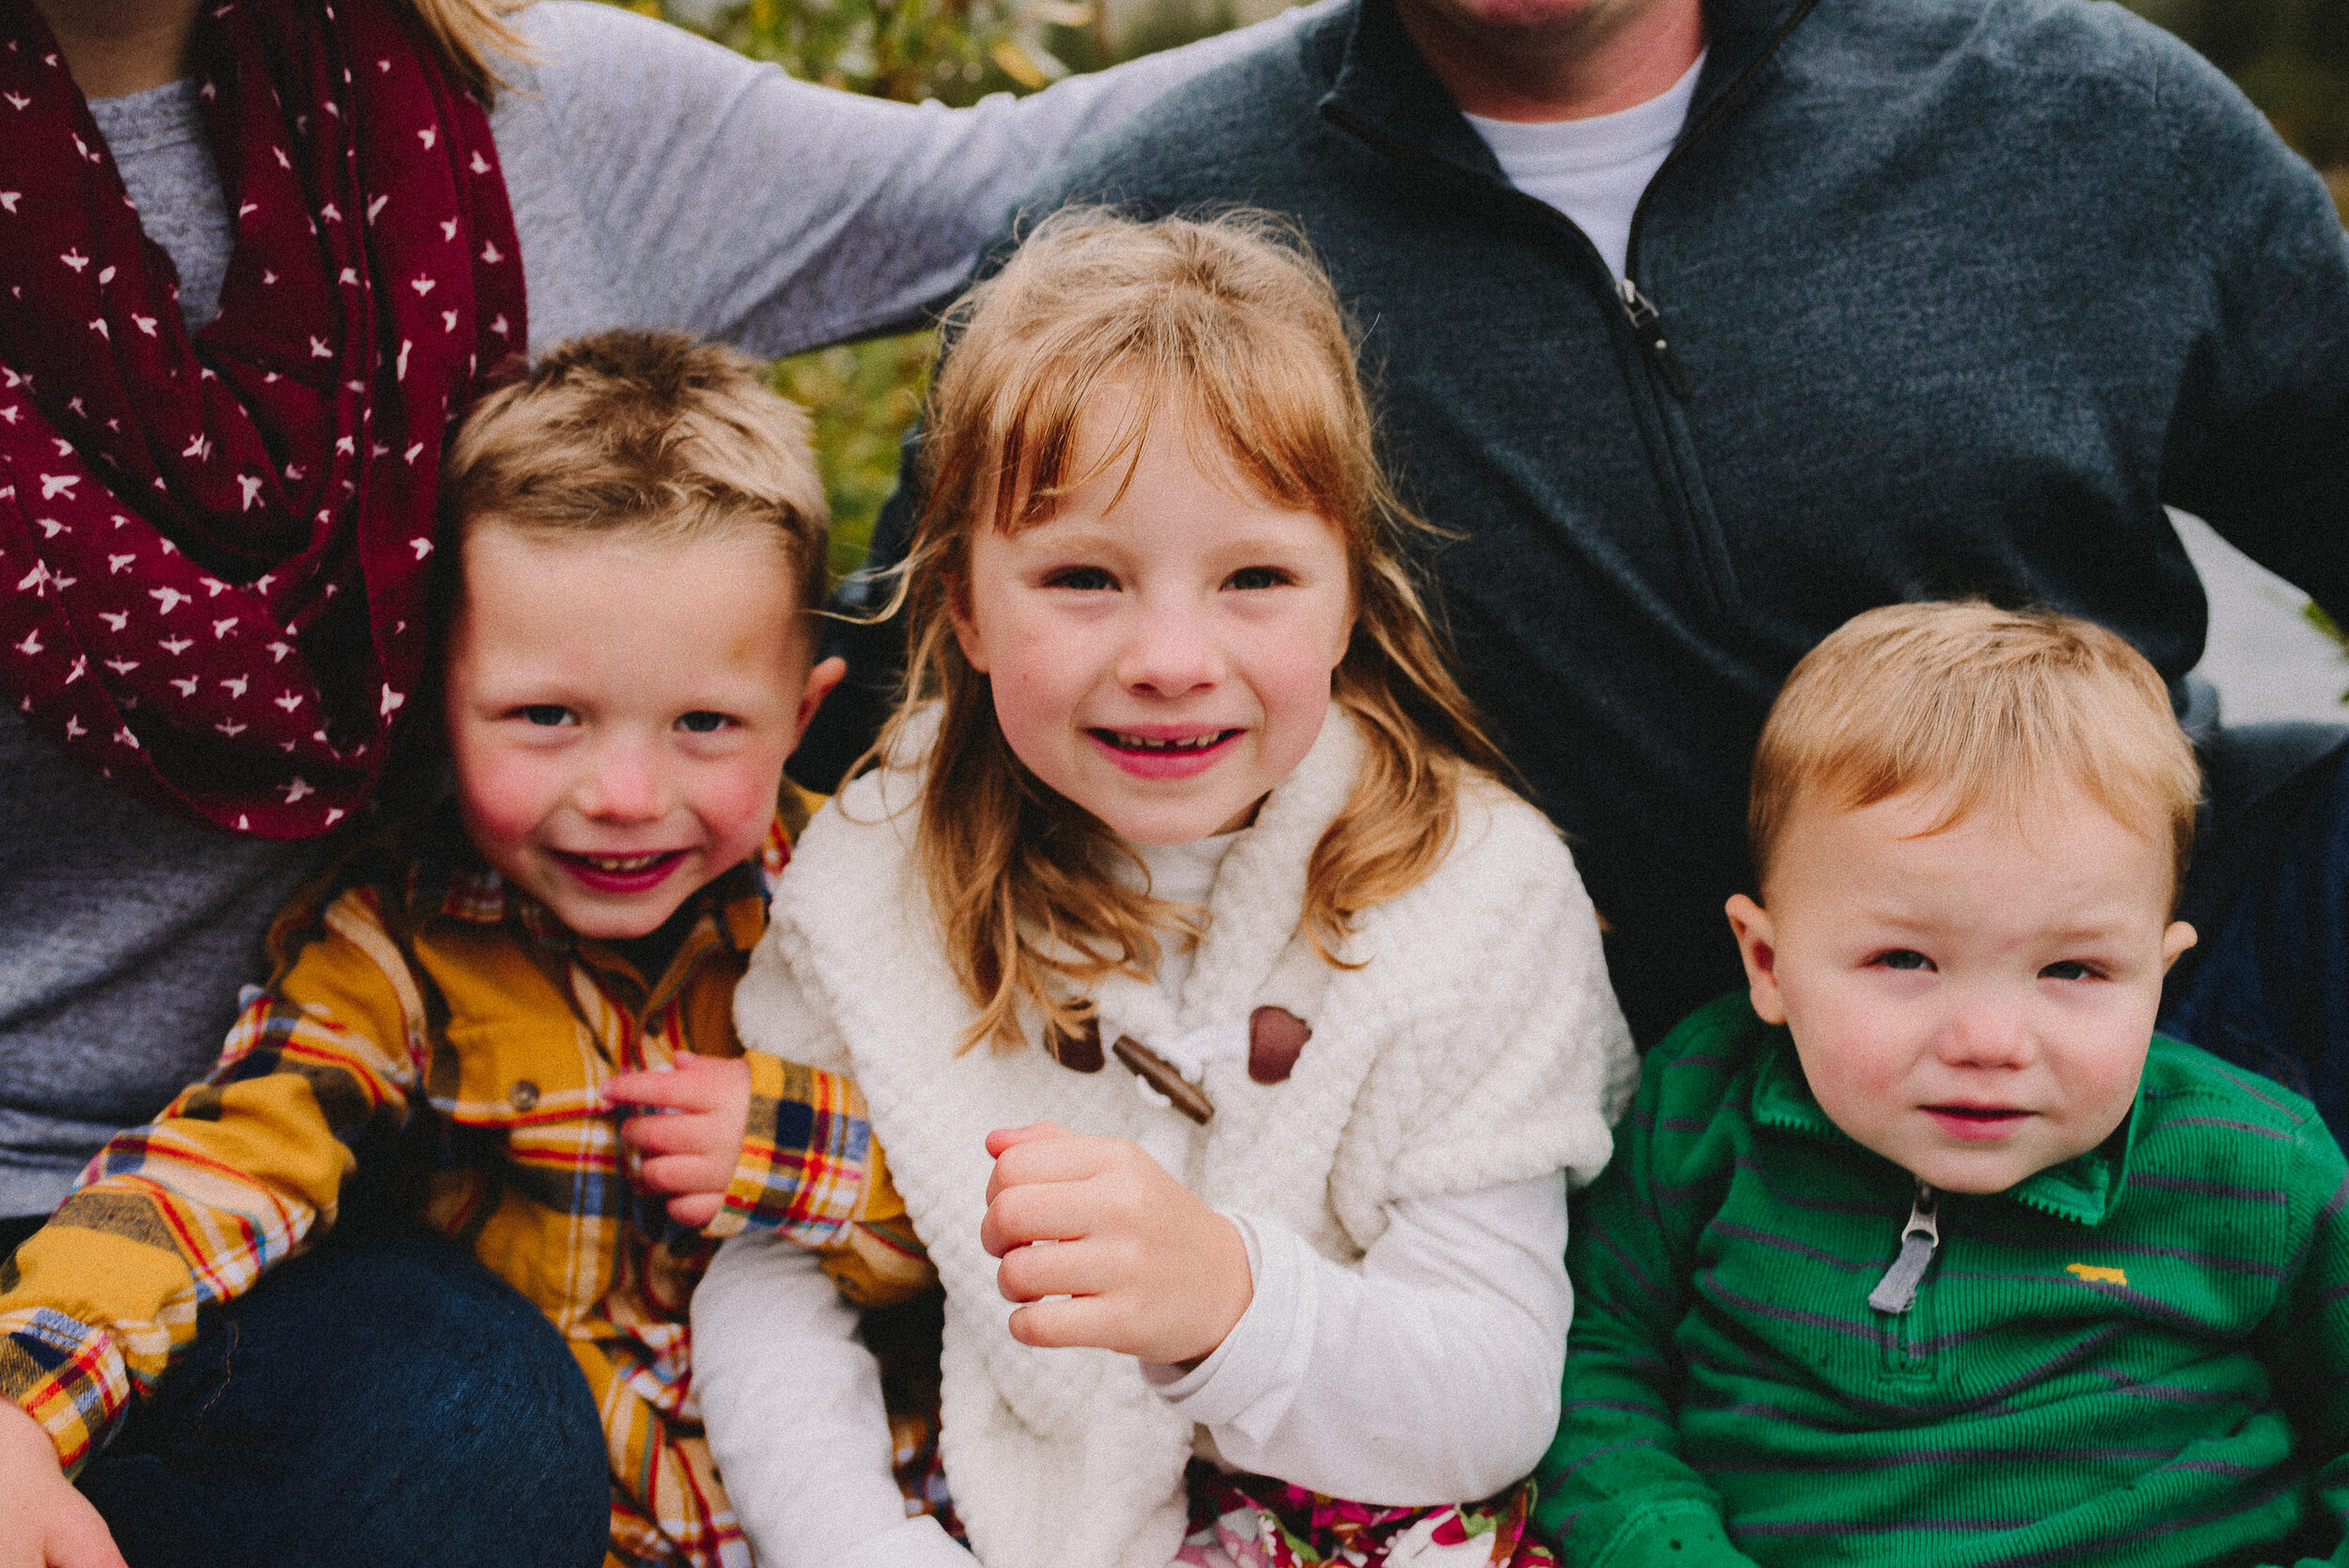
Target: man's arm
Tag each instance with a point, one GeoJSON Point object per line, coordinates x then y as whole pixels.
{"type": "Point", "coordinates": [2305, 1344]}
{"type": "Point", "coordinates": [2260, 446]}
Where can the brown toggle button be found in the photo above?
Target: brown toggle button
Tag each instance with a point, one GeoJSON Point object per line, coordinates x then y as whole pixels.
{"type": "Point", "coordinates": [523, 1095]}
{"type": "Point", "coordinates": [1160, 1074]}
{"type": "Point", "coordinates": [1275, 1036]}
{"type": "Point", "coordinates": [1079, 1053]}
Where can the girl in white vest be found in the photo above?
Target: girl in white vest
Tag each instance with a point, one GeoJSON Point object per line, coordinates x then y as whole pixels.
{"type": "Point", "coordinates": [1232, 1033]}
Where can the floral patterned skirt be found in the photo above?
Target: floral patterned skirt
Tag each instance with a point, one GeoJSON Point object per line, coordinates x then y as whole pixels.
{"type": "Point", "coordinates": [1240, 1521]}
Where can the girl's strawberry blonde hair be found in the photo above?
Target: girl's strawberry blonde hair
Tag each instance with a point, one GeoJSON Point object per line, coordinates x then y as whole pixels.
{"type": "Point", "coordinates": [1228, 322]}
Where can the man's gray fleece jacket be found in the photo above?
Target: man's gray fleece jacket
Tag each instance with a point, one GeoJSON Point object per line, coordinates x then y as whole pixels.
{"type": "Point", "coordinates": [1951, 297]}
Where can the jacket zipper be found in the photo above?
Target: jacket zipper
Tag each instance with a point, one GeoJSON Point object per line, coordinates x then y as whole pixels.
{"type": "Point", "coordinates": [1647, 326]}
{"type": "Point", "coordinates": [1897, 1291]}
{"type": "Point", "coordinates": [1644, 317]}
{"type": "Point", "coordinates": [1642, 311]}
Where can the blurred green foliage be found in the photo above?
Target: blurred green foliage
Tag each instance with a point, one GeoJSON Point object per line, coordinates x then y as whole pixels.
{"type": "Point", "coordinates": [863, 398]}
{"type": "Point", "coordinates": [2330, 628]}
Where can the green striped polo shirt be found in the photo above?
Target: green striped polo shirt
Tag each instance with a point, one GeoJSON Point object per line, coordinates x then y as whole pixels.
{"type": "Point", "coordinates": [2139, 1357]}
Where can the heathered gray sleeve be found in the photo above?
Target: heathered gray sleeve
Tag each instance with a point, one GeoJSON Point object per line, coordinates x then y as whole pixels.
{"type": "Point", "coordinates": [2259, 445]}
{"type": "Point", "coordinates": [660, 181]}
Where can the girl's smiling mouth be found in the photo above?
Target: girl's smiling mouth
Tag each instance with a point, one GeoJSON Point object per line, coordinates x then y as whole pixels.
{"type": "Point", "coordinates": [1169, 754]}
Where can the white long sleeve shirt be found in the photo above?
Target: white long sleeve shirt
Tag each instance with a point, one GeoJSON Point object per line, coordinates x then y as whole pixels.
{"type": "Point", "coordinates": [1429, 1374]}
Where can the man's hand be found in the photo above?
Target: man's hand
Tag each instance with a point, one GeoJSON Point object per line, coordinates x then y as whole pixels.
{"type": "Point", "coordinates": [1148, 1269]}
{"type": "Point", "coordinates": [44, 1523]}
{"type": "Point", "coordinates": [692, 1151]}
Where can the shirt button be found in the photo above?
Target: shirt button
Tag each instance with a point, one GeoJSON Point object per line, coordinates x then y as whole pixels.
{"type": "Point", "coordinates": [524, 1094]}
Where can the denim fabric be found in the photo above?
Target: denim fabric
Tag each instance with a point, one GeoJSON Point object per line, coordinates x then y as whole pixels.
{"type": "Point", "coordinates": [2267, 987]}
{"type": "Point", "coordinates": [383, 1400]}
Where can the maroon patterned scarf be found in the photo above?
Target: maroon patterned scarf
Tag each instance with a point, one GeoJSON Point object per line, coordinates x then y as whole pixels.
{"type": "Point", "coordinates": [213, 546]}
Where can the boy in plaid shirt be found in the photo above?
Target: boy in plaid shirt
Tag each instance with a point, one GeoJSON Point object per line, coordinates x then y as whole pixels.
{"type": "Point", "coordinates": [513, 985]}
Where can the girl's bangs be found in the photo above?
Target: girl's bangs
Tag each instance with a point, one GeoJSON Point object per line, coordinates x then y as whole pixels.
{"type": "Point", "coordinates": [1297, 439]}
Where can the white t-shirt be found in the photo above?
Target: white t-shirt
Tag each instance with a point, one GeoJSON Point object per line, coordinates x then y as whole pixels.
{"type": "Point", "coordinates": [1594, 170]}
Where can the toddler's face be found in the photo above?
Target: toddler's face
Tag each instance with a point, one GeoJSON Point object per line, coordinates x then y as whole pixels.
{"type": "Point", "coordinates": [1973, 1005]}
{"type": "Point", "coordinates": [620, 709]}
{"type": "Point", "coordinates": [1160, 658]}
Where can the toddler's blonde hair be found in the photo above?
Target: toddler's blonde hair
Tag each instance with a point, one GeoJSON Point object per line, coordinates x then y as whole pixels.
{"type": "Point", "coordinates": [1988, 707]}
{"type": "Point", "coordinates": [1230, 324]}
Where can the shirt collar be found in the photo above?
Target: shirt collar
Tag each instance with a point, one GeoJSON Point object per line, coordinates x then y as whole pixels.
{"type": "Point", "coordinates": [1381, 89]}
{"type": "Point", "coordinates": [449, 881]}
{"type": "Point", "coordinates": [2085, 1188]}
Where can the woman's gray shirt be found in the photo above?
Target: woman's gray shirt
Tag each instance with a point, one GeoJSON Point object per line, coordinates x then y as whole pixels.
{"type": "Point", "coordinates": [658, 180]}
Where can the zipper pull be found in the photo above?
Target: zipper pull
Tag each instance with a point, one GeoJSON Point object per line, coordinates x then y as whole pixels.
{"type": "Point", "coordinates": [1647, 321]}
{"type": "Point", "coordinates": [1897, 1290]}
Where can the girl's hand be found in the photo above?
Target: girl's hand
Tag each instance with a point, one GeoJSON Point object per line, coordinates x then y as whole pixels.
{"type": "Point", "coordinates": [44, 1522]}
{"type": "Point", "coordinates": [1148, 1269]}
{"type": "Point", "coordinates": [691, 1153]}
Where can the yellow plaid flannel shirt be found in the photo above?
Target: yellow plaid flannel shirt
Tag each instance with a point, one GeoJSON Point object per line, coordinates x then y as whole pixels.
{"type": "Point", "coordinates": [419, 986]}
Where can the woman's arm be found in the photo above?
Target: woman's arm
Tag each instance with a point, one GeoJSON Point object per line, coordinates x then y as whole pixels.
{"type": "Point", "coordinates": [662, 180]}
{"type": "Point", "coordinates": [1428, 1376]}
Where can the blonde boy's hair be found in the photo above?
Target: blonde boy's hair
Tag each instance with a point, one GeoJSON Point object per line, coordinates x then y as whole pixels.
{"type": "Point", "coordinates": [639, 432]}
{"type": "Point", "coordinates": [1231, 325]}
{"type": "Point", "coordinates": [1987, 707]}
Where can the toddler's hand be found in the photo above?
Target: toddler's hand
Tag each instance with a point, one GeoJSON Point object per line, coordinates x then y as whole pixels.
{"type": "Point", "coordinates": [1148, 1269]}
{"type": "Point", "coordinates": [693, 1152]}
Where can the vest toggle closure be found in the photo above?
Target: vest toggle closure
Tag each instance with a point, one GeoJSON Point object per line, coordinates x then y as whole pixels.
{"type": "Point", "coordinates": [1270, 1042]}
{"type": "Point", "coordinates": [1164, 1083]}
{"type": "Point", "coordinates": [1897, 1291]}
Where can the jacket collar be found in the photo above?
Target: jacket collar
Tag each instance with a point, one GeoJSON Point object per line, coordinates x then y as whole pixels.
{"type": "Point", "coordinates": [1380, 88]}
{"type": "Point", "coordinates": [2085, 1188]}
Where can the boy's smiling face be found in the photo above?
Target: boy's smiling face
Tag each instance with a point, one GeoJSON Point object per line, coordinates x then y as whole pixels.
{"type": "Point", "coordinates": [619, 708]}
{"type": "Point", "coordinates": [1974, 1004]}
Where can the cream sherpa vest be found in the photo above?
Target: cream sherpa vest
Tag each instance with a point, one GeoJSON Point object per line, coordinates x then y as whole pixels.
{"type": "Point", "coordinates": [1478, 1045]}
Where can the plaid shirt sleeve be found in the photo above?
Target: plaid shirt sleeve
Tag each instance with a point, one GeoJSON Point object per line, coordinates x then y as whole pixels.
{"type": "Point", "coordinates": [810, 1169]}
{"type": "Point", "coordinates": [237, 1173]}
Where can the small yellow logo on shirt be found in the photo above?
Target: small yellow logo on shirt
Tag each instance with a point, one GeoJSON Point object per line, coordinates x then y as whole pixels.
{"type": "Point", "coordinates": [2096, 1274]}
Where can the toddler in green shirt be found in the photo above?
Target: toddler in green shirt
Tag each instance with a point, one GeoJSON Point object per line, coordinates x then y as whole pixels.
{"type": "Point", "coordinates": [1926, 1249]}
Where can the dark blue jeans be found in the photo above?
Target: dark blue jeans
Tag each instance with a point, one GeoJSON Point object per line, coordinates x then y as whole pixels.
{"type": "Point", "coordinates": [385, 1400]}
{"type": "Point", "coordinates": [2267, 987]}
